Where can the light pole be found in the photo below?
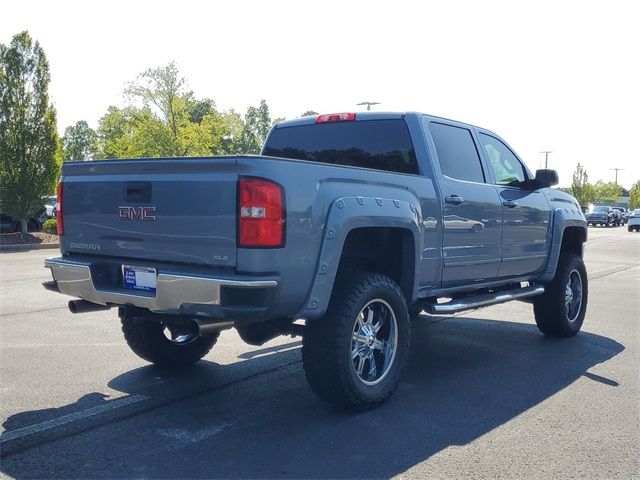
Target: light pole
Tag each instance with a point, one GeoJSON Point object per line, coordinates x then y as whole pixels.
{"type": "Point", "coordinates": [368, 104]}
{"type": "Point", "coordinates": [546, 157]}
{"type": "Point", "coordinates": [616, 169]}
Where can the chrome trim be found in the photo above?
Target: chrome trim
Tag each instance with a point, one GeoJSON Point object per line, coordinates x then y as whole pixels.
{"type": "Point", "coordinates": [172, 290]}
{"type": "Point", "coordinates": [483, 300]}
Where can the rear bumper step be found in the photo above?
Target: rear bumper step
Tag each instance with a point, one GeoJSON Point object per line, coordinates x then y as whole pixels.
{"type": "Point", "coordinates": [484, 300]}
{"type": "Point", "coordinates": [172, 290]}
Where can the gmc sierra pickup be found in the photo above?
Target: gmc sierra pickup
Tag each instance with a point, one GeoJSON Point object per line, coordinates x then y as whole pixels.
{"type": "Point", "coordinates": [345, 228]}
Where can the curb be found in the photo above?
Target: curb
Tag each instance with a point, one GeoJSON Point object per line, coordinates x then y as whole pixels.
{"type": "Point", "coordinates": [28, 246]}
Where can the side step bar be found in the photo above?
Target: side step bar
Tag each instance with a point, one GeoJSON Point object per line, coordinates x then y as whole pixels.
{"type": "Point", "coordinates": [483, 300]}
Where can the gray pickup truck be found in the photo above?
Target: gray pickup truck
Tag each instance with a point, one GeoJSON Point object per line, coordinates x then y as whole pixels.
{"type": "Point", "coordinates": [342, 231]}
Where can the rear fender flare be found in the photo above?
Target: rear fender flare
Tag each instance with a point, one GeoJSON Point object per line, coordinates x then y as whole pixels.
{"type": "Point", "coordinates": [345, 215]}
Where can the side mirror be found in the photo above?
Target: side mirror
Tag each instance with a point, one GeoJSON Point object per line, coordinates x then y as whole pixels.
{"type": "Point", "coordinates": [546, 178]}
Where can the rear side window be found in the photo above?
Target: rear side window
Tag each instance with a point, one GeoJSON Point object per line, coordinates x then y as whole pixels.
{"type": "Point", "coordinates": [457, 153]}
{"type": "Point", "coordinates": [379, 144]}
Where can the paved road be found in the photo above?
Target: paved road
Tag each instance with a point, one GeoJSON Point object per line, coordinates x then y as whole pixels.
{"type": "Point", "coordinates": [485, 395]}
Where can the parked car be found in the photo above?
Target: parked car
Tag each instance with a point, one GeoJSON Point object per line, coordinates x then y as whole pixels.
{"type": "Point", "coordinates": [602, 215]}
{"type": "Point", "coordinates": [49, 206]}
{"type": "Point", "coordinates": [8, 224]}
{"type": "Point", "coordinates": [634, 221]}
{"type": "Point", "coordinates": [622, 218]}
{"type": "Point", "coordinates": [342, 222]}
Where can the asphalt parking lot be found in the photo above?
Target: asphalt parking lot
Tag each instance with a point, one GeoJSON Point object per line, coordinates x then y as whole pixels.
{"type": "Point", "coordinates": [485, 395]}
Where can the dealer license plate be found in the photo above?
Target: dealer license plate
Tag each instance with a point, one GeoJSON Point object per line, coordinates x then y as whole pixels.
{"type": "Point", "coordinates": [139, 278]}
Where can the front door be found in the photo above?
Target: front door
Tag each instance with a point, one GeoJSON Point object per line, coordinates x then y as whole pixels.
{"type": "Point", "coordinates": [472, 212]}
{"type": "Point", "coordinates": [526, 213]}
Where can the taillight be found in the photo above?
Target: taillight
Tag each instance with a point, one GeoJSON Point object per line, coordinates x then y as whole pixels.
{"type": "Point", "coordinates": [59, 209]}
{"type": "Point", "coordinates": [260, 213]}
{"type": "Point", "coordinates": [335, 117]}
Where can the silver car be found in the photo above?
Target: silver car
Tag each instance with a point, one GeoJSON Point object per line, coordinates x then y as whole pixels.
{"type": "Point", "coordinates": [634, 221]}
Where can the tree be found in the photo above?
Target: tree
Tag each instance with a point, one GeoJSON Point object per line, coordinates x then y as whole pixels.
{"type": "Point", "coordinates": [29, 142]}
{"type": "Point", "coordinates": [609, 192]}
{"type": "Point", "coordinates": [78, 142]}
{"type": "Point", "coordinates": [257, 123]}
{"type": "Point", "coordinates": [308, 113]}
{"type": "Point", "coordinates": [634, 196]}
{"type": "Point", "coordinates": [581, 189]}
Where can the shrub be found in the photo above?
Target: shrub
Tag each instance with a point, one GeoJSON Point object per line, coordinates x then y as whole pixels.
{"type": "Point", "coordinates": [50, 225]}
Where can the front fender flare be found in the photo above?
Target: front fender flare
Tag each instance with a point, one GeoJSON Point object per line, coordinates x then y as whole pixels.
{"type": "Point", "coordinates": [563, 218]}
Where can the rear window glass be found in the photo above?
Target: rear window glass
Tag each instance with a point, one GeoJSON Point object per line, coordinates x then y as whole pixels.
{"type": "Point", "coordinates": [378, 144]}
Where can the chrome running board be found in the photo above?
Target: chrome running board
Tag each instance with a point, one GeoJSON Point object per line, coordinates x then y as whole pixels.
{"type": "Point", "coordinates": [483, 300]}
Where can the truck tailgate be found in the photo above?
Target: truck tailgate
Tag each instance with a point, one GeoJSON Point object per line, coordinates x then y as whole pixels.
{"type": "Point", "coordinates": [174, 210]}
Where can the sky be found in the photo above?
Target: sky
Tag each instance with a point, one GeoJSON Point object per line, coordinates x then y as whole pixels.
{"type": "Point", "coordinates": [558, 76]}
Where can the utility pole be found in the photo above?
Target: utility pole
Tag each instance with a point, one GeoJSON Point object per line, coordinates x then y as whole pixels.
{"type": "Point", "coordinates": [546, 157]}
{"type": "Point", "coordinates": [616, 169]}
{"type": "Point", "coordinates": [368, 104]}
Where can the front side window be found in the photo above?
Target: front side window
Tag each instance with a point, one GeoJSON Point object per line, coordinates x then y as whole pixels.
{"type": "Point", "coordinates": [506, 168]}
{"type": "Point", "coordinates": [457, 154]}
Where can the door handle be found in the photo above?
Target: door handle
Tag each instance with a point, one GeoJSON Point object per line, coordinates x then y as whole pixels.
{"type": "Point", "coordinates": [454, 199]}
{"type": "Point", "coordinates": [510, 203]}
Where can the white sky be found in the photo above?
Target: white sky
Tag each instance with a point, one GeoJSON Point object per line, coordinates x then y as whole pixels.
{"type": "Point", "coordinates": [545, 75]}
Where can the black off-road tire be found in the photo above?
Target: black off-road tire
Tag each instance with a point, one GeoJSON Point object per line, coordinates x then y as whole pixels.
{"type": "Point", "coordinates": [551, 312]}
{"type": "Point", "coordinates": [327, 344]}
{"type": "Point", "coordinates": [148, 341]}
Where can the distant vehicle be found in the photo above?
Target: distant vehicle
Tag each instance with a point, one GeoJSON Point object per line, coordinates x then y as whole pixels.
{"type": "Point", "coordinates": [634, 221]}
{"type": "Point", "coordinates": [8, 224]}
{"type": "Point", "coordinates": [49, 206]}
{"type": "Point", "coordinates": [602, 215]}
{"type": "Point", "coordinates": [621, 217]}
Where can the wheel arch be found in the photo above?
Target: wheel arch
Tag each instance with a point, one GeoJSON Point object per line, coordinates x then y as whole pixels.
{"type": "Point", "coordinates": [391, 229]}
{"type": "Point", "coordinates": [568, 234]}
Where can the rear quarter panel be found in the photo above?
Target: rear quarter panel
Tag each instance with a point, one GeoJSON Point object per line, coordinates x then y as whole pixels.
{"type": "Point", "coordinates": [312, 190]}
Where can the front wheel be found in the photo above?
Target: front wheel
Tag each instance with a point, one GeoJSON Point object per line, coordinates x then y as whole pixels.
{"type": "Point", "coordinates": [560, 311]}
{"type": "Point", "coordinates": [165, 345]}
{"type": "Point", "coordinates": [354, 356]}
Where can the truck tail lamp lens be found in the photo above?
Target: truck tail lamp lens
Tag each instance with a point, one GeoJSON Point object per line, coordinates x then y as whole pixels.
{"type": "Point", "coordinates": [335, 117]}
{"type": "Point", "coordinates": [59, 220]}
{"type": "Point", "coordinates": [260, 213]}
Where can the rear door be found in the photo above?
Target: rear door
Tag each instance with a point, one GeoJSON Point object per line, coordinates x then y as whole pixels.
{"type": "Point", "coordinates": [175, 210]}
{"type": "Point", "coordinates": [526, 213]}
{"type": "Point", "coordinates": [471, 210]}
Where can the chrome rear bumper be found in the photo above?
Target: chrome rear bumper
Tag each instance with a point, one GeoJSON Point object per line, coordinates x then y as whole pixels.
{"type": "Point", "coordinates": [172, 290]}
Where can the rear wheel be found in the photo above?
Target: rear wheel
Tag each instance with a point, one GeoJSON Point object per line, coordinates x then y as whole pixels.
{"type": "Point", "coordinates": [561, 309]}
{"type": "Point", "coordinates": [169, 346]}
{"type": "Point", "coordinates": [355, 354]}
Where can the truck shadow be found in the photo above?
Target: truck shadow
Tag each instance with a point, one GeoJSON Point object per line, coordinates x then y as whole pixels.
{"type": "Point", "coordinates": [465, 378]}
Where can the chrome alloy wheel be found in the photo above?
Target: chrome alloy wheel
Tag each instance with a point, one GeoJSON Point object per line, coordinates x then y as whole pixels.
{"type": "Point", "coordinates": [573, 295]}
{"type": "Point", "coordinates": [374, 342]}
{"type": "Point", "coordinates": [178, 335]}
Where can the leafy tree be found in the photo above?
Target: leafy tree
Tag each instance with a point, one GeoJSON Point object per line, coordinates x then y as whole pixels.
{"type": "Point", "coordinates": [634, 195]}
{"type": "Point", "coordinates": [309, 113]}
{"type": "Point", "coordinates": [199, 108]}
{"type": "Point", "coordinates": [231, 134]}
{"type": "Point", "coordinates": [78, 142]}
{"type": "Point", "coordinates": [608, 192]}
{"type": "Point", "coordinates": [257, 123]}
{"type": "Point", "coordinates": [581, 189]}
{"type": "Point", "coordinates": [29, 142]}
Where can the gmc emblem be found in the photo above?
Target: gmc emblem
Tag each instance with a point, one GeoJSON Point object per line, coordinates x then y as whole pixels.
{"type": "Point", "coordinates": [137, 213]}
